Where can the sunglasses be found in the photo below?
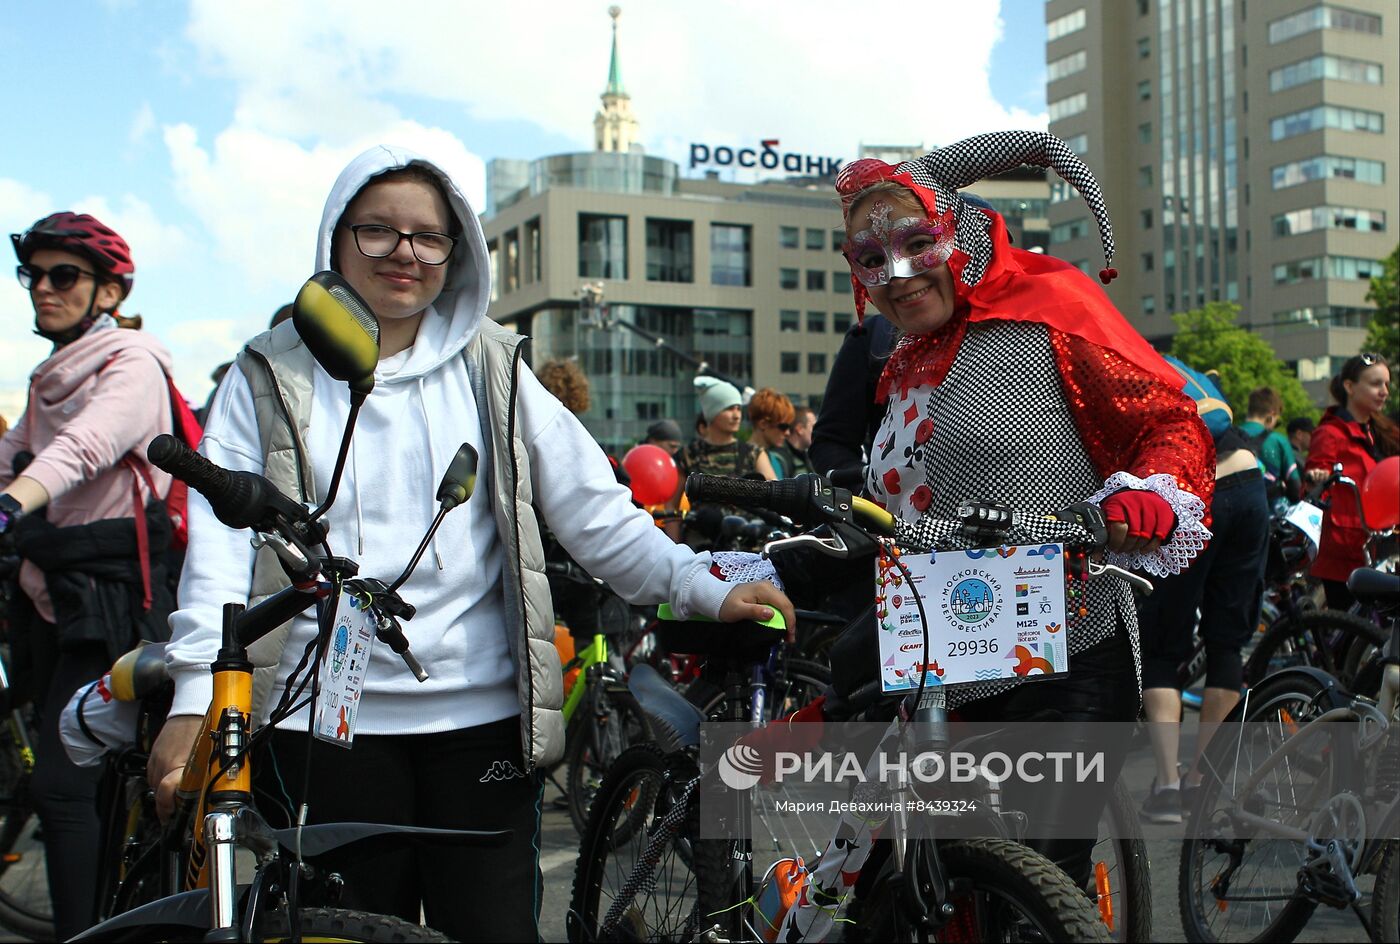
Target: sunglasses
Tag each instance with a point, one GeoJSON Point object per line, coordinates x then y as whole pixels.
{"type": "Point", "coordinates": [61, 277]}
{"type": "Point", "coordinates": [1368, 359]}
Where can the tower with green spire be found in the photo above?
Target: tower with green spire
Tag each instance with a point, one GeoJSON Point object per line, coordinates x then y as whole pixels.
{"type": "Point", "coordinates": [615, 128]}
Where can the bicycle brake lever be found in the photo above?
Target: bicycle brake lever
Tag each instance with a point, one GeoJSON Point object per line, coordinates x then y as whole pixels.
{"type": "Point", "coordinates": [290, 554]}
{"type": "Point", "coordinates": [1140, 584]}
{"type": "Point", "coordinates": [389, 631]}
{"type": "Point", "coordinates": [832, 546]}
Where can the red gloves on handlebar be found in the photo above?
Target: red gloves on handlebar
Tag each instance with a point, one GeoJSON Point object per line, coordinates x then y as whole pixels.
{"type": "Point", "coordinates": [1146, 514]}
{"type": "Point", "coordinates": [798, 733]}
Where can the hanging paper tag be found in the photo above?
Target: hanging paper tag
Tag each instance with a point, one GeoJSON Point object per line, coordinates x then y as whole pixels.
{"type": "Point", "coordinates": [342, 673]}
{"type": "Point", "coordinates": [993, 613]}
{"type": "Point", "coordinates": [1307, 518]}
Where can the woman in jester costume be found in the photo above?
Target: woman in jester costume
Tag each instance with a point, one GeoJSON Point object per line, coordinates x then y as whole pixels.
{"type": "Point", "coordinates": [1015, 382]}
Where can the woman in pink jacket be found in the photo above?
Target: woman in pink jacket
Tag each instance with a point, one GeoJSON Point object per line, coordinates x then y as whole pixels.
{"type": "Point", "coordinates": [83, 508]}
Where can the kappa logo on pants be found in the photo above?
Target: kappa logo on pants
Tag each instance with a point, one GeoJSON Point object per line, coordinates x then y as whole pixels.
{"type": "Point", "coordinates": [501, 770]}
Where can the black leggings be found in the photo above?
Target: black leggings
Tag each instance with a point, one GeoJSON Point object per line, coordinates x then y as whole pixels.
{"type": "Point", "coordinates": [1226, 582]}
{"type": "Point", "coordinates": [65, 795]}
{"type": "Point", "coordinates": [467, 779]}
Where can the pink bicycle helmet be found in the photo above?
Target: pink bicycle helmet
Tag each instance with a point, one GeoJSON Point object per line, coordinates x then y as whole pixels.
{"type": "Point", "coordinates": [84, 235]}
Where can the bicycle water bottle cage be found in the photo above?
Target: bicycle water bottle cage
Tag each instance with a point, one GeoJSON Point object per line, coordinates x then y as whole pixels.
{"type": "Point", "coordinates": [984, 523]}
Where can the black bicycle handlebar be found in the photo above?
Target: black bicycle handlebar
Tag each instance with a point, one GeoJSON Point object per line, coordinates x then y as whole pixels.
{"type": "Point", "coordinates": [239, 499]}
{"type": "Point", "coordinates": [790, 497]}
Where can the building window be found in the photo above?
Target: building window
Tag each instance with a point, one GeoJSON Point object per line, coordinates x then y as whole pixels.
{"type": "Point", "coordinates": [495, 256]}
{"type": "Point", "coordinates": [1145, 133]}
{"type": "Point", "coordinates": [1145, 90]}
{"type": "Point", "coordinates": [788, 278]}
{"type": "Point", "coordinates": [602, 246]}
{"type": "Point", "coordinates": [1070, 105]}
{"type": "Point", "coordinates": [816, 239]}
{"type": "Point", "coordinates": [816, 322]}
{"type": "Point", "coordinates": [1064, 25]}
{"type": "Point", "coordinates": [1079, 144]}
{"type": "Point", "coordinates": [1149, 304]}
{"type": "Point", "coordinates": [816, 280]}
{"type": "Point", "coordinates": [838, 237]}
{"type": "Point", "coordinates": [1328, 217]}
{"type": "Point", "coordinates": [534, 249]}
{"type": "Point", "coordinates": [1326, 267]}
{"type": "Point", "coordinates": [1148, 260]}
{"type": "Point", "coordinates": [816, 363]}
{"type": "Point", "coordinates": [790, 362]}
{"type": "Point", "coordinates": [512, 260]}
{"type": "Point", "coordinates": [1145, 217]}
{"type": "Point", "coordinates": [841, 322]}
{"type": "Point", "coordinates": [1067, 65]}
{"type": "Point", "coordinates": [670, 251]}
{"type": "Point", "coordinates": [841, 282]}
{"type": "Point", "coordinates": [1074, 229]}
{"type": "Point", "coordinates": [731, 254]}
{"type": "Point", "coordinates": [1328, 168]}
{"type": "Point", "coordinates": [1337, 68]}
{"type": "Point", "coordinates": [787, 237]}
{"type": "Point", "coordinates": [1339, 315]}
{"type": "Point", "coordinates": [1326, 116]}
{"type": "Point", "coordinates": [1145, 176]}
{"type": "Point", "coordinates": [1144, 7]}
{"type": "Point", "coordinates": [789, 320]}
{"type": "Point", "coordinates": [1060, 191]}
{"type": "Point", "coordinates": [1144, 48]}
{"type": "Point", "coordinates": [1322, 17]}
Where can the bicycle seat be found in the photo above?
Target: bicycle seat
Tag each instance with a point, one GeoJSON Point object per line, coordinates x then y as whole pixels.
{"type": "Point", "coordinates": [139, 673]}
{"type": "Point", "coordinates": [1374, 588]}
{"type": "Point", "coordinates": [744, 641]}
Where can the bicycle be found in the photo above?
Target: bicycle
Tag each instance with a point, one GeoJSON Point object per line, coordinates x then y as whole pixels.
{"type": "Point", "coordinates": [1294, 807]}
{"type": "Point", "coordinates": [216, 811]}
{"type": "Point", "coordinates": [25, 907]}
{"type": "Point", "coordinates": [645, 872]}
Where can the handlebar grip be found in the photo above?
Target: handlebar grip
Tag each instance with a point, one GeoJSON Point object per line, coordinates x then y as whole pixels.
{"type": "Point", "coordinates": [786, 496]}
{"type": "Point", "coordinates": [239, 499]}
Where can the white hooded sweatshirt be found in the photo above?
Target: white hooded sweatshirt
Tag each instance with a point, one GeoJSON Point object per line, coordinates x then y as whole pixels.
{"type": "Point", "coordinates": [421, 410]}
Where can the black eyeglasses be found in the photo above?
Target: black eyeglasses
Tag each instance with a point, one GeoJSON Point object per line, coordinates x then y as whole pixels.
{"type": "Point", "coordinates": [377, 241]}
{"type": "Point", "coordinates": [785, 427]}
{"type": "Point", "coordinates": [61, 277]}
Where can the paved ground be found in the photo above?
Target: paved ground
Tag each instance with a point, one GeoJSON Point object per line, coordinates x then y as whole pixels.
{"type": "Point", "coordinates": [560, 844]}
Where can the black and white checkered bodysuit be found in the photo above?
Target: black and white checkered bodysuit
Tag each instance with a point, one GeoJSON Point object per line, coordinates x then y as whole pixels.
{"type": "Point", "coordinates": [1002, 432]}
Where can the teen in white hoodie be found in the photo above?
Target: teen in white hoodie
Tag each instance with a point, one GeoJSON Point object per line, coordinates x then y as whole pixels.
{"type": "Point", "coordinates": [447, 752]}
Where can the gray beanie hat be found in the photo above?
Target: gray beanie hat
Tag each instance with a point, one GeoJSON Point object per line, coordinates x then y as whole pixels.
{"type": "Point", "coordinates": [716, 396]}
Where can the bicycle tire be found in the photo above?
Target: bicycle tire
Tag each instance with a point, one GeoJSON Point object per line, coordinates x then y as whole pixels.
{"type": "Point", "coordinates": [317, 924]}
{"type": "Point", "coordinates": [633, 796]}
{"type": "Point", "coordinates": [1000, 870]}
{"type": "Point", "coordinates": [24, 908]}
{"type": "Point", "coordinates": [1289, 642]}
{"type": "Point", "coordinates": [1299, 695]}
{"type": "Point", "coordinates": [1385, 899]}
{"type": "Point", "coordinates": [1131, 871]}
{"type": "Point", "coordinates": [582, 776]}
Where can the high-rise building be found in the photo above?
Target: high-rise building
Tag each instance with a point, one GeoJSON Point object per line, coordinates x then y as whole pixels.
{"type": "Point", "coordinates": [1247, 151]}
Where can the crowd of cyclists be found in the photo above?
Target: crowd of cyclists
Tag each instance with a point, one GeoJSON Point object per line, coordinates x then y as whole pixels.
{"type": "Point", "coordinates": [988, 374]}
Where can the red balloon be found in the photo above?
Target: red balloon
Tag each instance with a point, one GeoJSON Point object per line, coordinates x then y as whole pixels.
{"type": "Point", "coordinates": [1380, 496]}
{"type": "Point", "coordinates": [653, 472]}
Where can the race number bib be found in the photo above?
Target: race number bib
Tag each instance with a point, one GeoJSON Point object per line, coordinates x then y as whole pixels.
{"type": "Point", "coordinates": [342, 674]}
{"type": "Point", "coordinates": [993, 613]}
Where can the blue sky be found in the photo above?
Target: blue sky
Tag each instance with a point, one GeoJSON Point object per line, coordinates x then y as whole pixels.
{"type": "Point", "coordinates": [209, 132]}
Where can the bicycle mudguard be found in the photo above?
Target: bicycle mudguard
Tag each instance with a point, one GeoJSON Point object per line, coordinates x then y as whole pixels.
{"type": "Point", "coordinates": [677, 721]}
{"type": "Point", "coordinates": [327, 837]}
{"type": "Point", "coordinates": [1336, 695]}
{"type": "Point", "coordinates": [184, 909]}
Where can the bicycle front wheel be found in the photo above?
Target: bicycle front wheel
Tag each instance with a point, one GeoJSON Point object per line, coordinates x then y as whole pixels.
{"type": "Point", "coordinates": [316, 924]}
{"type": "Point", "coordinates": [610, 726]}
{"type": "Point", "coordinates": [1319, 638]}
{"type": "Point", "coordinates": [1236, 882]}
{"type": "Point", "coordinates": [1122, 876]}
{"type": "Point", "coordinates": [25, 906]}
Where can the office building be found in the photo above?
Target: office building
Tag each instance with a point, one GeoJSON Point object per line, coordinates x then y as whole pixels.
{"type": "Point", "coordinates": [1247, 151]}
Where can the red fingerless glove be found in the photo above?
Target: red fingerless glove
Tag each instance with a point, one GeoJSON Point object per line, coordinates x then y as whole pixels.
{"type": "Point", "coordinates": [798, 733]}
{"type": "Point", "coordinates": [1146, 514]}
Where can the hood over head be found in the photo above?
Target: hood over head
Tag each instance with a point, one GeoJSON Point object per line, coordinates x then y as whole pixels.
{"type": "Point", "coordinates": [456, 316]}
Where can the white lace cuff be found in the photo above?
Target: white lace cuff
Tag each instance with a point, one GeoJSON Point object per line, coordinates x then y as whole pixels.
{"type": "Point", "coordinates": [1187, 541]}
{"type": "Point", "coordinates": [742, 567]}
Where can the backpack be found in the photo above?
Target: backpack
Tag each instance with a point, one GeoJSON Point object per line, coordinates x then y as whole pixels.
{"type": "Point", "coordinates": [1210, 402]}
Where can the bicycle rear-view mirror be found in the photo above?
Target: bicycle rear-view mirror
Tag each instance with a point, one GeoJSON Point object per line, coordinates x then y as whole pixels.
{"type": "Point", "coordinates": [459, 481]}
{"type": "Point", "coordinates": [339, 329]}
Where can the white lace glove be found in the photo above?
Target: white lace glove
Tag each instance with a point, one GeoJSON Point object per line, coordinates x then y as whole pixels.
{"type": "Point", "coordinates": [1187, 541]}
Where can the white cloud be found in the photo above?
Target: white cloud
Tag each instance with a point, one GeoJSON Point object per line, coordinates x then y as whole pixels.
{"type": "Point", "coordinates": [142, 124]}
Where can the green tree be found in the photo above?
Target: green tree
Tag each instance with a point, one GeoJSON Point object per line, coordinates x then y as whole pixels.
{"type": "Point", "coordinates": [1383, 335]}
{"type": "Point", "coordinates": [1209, 339]}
